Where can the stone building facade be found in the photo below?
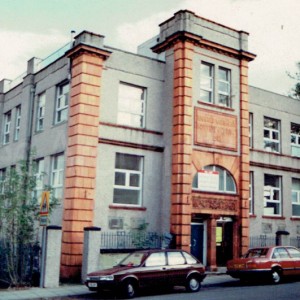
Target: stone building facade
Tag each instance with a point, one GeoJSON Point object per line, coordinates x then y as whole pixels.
{"type": "Point", "coordinates": [159, 137]}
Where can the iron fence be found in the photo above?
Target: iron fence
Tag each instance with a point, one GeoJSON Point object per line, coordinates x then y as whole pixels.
{"type": "Point", "coordinates": [134, 240]}
{"type": "Point", "coordinates": [262, 241]}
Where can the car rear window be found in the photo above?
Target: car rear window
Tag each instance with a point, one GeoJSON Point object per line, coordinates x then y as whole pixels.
{"type": "Point", "coordinates": [294, 253]}
{"type": "Point", "coordinates": [189, 259]}
{"type": "Point", "coordinates": [261, 252]}
{"type": "Point", "coordinates": [280, 253]}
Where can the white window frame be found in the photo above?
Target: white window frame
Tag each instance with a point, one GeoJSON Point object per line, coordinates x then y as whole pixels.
{"type": "Point", "coordinates": [225, 174]}
{"type": "Point", "coordinates": [297, 193]}
{"type": "Point", "coordinates": [57, 175]}
{"type": "Point", "coordinates": [251, 192]}
{"type": "Point", "coordinates": [210, 79]}
{"type": "Point", "coordinates": [128, 114]}
{"type": "Point", "coordinates": [271, 191]}
{"type": "Point", "coordinates": [62, 103]}
{"type": "Point", "coordinates": [295, 139]}
{"type": "Point", "coordinates": [39, 178]}
{"type": "Point", "coordinates": [40, 114]}
{"type": "Point", "coordinates": [251, 130]}
{"type": "Point", "coordinates": [2, 180]}
{"type": "Point", "coordinates": [17, 123]}
{"type": "Point", "coordinates": [127, 185]}
{"type": "Point", "coordinates": [270, 140]}
{"type": "Point", "coordinates": [7, 125]}
{"type": "Point", "coordinates": [227, 84]}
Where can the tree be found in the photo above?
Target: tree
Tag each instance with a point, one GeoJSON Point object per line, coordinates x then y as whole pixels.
{"type": "Point", "coordinates": [295, 92]}
{"type": "Point", "coordinates": [19, 213]}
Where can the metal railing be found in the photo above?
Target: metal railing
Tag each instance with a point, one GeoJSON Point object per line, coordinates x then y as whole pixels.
{"type": "Point", "coordinates": [134, 240]}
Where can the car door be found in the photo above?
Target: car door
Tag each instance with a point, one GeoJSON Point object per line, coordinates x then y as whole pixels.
{"type": "Point", "coordinates": [177, 269]}
{"type": "Point", "coordinates": [153, 272]}
{"type": "Point", "coordinates": [295, 255]}
{"type": "Point", "coordinates": [285, 261]}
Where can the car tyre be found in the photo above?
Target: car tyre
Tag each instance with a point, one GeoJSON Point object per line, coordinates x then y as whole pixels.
{"type": "Point", "coordinates": [193, 284]}
{"type": "Point", "coordinates": [129, 289]}
{"type": "Point", "coordinates": [276, 276]}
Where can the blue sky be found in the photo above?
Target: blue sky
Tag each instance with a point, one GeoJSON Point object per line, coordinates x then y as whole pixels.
{"type": "Point", "coordinates": [37, 28]}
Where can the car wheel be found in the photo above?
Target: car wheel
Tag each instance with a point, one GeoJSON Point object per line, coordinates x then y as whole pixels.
{"type": "Point", "coordinates": [129, 289]}
{"type": "Point", "coordinates": [193, 284]}
{"type": "Point", "coordinates": [275, 276]}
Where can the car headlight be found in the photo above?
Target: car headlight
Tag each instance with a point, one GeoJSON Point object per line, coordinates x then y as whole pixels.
{"type": "Point", "coordinates": [107, 277]}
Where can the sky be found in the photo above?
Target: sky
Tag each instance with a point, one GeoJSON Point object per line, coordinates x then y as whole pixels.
{"type": "Point", "coordinates": [36, 28]}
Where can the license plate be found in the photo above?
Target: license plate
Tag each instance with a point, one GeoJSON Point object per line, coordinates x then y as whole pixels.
{"type": "Point", "coordinates": [92, 284]}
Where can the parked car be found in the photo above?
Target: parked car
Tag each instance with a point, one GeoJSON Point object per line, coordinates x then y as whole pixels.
{"type": "Point", "coordinates": [271, 263]}
{"type": "Point", "coordinates": [149, 268]}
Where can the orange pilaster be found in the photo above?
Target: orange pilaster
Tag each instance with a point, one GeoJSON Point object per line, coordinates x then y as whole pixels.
{"type": "Point", "coordinates": [81, 156]}
{"type": "Point", "coordinates": [244, 162]}
{"type": "Point", "coordinates": [182, 144]}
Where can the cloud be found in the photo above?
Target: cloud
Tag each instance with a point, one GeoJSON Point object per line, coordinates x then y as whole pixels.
{"type": "Point", "coordinates": [272, 25]}
{"type": "Point", "coordinates": [18, 47]}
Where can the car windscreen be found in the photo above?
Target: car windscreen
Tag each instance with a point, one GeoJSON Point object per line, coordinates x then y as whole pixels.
{"type": "Point", "coordinates": [134, 259]}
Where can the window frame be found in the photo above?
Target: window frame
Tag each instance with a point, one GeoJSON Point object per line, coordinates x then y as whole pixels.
{"type": "Point", "coordinates": [129, 110]}
{"type": "Point", "coordinates": [127, 185]}
{"type": "Point", "coordinates": [272, 190]}
{"type": "Point", "coordinates": [57, 174]}
{"type": "Point", "coordinates": [40, 114]}
{"type": "Point", "coordinates": [210, 78]}
{"type": "Point", "coordinates": [60, 110]}
{"type": "Point", "coordinates": [251, 130]}
{"type": "Point", "coordinates": [226, 174]}
{"type": "Point", "coordinates": [251, 193]}
{"type": "Point", "coordinates": [270, 140]}
{"type": "Point", "coordinates": [297, 192]}
{"type": "Point", "coordinates": [226, 83]}
{"type": "Point", "coordinates": [7, 127]}
{"type": "Point", "coordinates": [296, 137]}
{"type": "Point", "coordinates": [39, 177]}
{"type": "Point", "coordinates": [17, 123]}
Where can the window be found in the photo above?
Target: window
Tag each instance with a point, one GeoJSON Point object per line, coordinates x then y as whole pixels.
{"type": "Point", "coordinates": [7, 123]}
{"type": "Point", "coordinates": [214, 179]}
{"type": "Point", "coordinates": [271, 135]}
{"type": "Point", "coordinates": [294, 253]}
{"type": "Point", "coordinates": [295, 139]}
{"type": "Point", "coordinates": [128, 179]}
{"type": "Point", "coordinates": [39, 175]}
{"type": "Point", "coordinates": [208, 86]}
{"type": "Point", "coordinates": [18, 122]}
{"type": "Point", "coordinates": [296, 197]}
{"type": "Point", "coordinates": [224, 87]}
{"type": "Point", "coordinates": [62, 100]}
{"type": "Point", "coordinates": [206, 82]}
{"type": "Point", "coordinates": [156, 259]}
{"type": "Point", "coordinates": [57, 174]}
{"type": "Point", "coordinates": [131, 105]}
{"type": "Point", "coordinates": [2, 180]}
{"type": "Point", "coordinates": [251, 130]}
{"type": "Point", "coordinates": [175, 258]}
{"type": "Point", "coordinates": [40, 112]}
{"type": "Point", "coordinates": [272, 195]}
{"type": "Point", "coordinates": [251, 194]}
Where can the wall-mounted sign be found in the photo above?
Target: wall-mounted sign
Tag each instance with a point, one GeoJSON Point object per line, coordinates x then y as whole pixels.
{"type": "Point", "coordinates": [215, 130]}
{"type": "Point", "coordinates": [208, 180]}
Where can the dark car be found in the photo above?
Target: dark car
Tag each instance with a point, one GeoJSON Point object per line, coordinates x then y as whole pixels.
{"type": "Point", "coordinates": [150, 268]}
{"type": "Point", "coordinates": [271, 263]}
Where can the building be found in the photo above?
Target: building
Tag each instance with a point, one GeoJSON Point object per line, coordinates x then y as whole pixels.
{"type": "Point", "coordinates": [159, 137]}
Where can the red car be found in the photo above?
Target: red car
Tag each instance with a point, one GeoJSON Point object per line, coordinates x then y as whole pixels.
{"type": "Point", "coordinates": [270, 263]}
{"type": "Point", "coordinates": [150, 268]}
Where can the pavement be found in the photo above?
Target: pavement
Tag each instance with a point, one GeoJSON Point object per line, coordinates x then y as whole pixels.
{"type": "Point", "coordinates": [66, 290]}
